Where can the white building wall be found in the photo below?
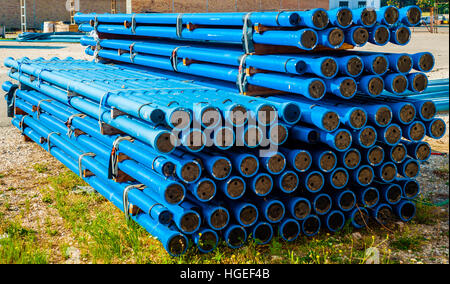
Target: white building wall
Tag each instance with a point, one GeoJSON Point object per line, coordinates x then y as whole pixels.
{"type": "Point", "coordinates": [354, 4]}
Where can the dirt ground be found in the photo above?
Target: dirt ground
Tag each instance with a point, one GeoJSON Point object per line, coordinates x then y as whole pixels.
{"type": "Point", "coordinates": [23, 185]}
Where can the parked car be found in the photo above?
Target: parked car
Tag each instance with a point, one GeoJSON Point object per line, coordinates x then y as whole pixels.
{"type": "Point", "coordinates": [426, 20]}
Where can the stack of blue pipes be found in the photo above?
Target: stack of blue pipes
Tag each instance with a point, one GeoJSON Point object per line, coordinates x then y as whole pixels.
{"type": "Point", "coordinates": [231, 126]}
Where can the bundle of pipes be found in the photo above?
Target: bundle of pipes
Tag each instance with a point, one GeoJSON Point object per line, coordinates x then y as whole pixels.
{"type": "Point", "coordinates": [193, 160]}
{"type": "Point", "coordinates": [208, 45]}
{"type": "Point", "coordinates": [305, 30]}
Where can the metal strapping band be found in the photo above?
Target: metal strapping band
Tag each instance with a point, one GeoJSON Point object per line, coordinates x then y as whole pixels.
{"type": "Point", "coordinates": [286, 63]}
{"type": "Point", "coordinates": [278, 16]}
{"type": "Point", "coordinates": [173, 102]}
{"type": "Point", "coordinates": [242, 75]}
{"type": "Point", "coordinates": [247, 35]}
{"type": "Point", "coordinates": [12, 102]}
{"type": "Point", "coordinates": [96, 24]}
{"type": "Point", "coordinates": [69, 122]}
{"type": "Point", "coordinates": [101, 105]}
{"type": "Point", "coordinates": [80, 160]}
{"type": "Point", "coordinates": [180, 25]}
{"type": "Point", "coordinates": [49, 146]}
{"type": "Point", "coordinates": [132, 53]}
{"type": "Point", "coordinates": [38, 108]}
{"type": "Point", "coordinates": [126, 204]}
{"type": "Point", "coordinates": [151, 207]}
{"type": "Point", "coordinates": [154, 160]}
{"type": "Point", "coordinates": [140, 108]}
{"type": "Point", "coordinates": [174, 59]}
{"type": "Point", "coordinates": [22, 123]}
{"type": "Point", "coordinates": [133, 23]}
{"type": "Point", "coordinates": [113, 169]}
{"type": "Point", "coordinates": [39, 78]}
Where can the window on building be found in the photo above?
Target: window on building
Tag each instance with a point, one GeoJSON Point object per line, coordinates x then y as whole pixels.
{"type": "Point", "coordinates": [343, 3]}
{"type": "Point", "coordinates": [362, 4]}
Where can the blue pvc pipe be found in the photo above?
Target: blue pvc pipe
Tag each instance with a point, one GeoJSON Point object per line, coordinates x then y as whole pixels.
{"type": "Point", "coordinates": [398, 35]}
{"type": "Point", "coordinates": [391, 193]}
{"type": "Point", "coordinates": [405, 210]}
{"type": "Point", "coordinates": [387, 209]}
{"type": "Point", "coordinates": [338, 16]}
{"type": "Point", "coordinates": [410, 15]}
{"type": "Point", "coordinates": [391, 151]}
{"type": "Point", "coordinates": [206, 240]}
{"type": "Point", "coordinates": [262, 233]}
{"type": "Point", "coordinates": [341, 199]}
{"type": "Point", "coordinates": [324, 155]}
{"type": "Point", "coordinates": [312, 179]}
{"type": "Point", "coordinates": [380, 171]}
{"type": "Point", "coordinates": [377, 33]}
{"type": "Point", "coordinates": [423, 61]}
{"type": "Point", "coordinates": [224, 187]}
{"type": "Point", "coordinates": [368, 175]}
{"type": "Point", "coordinates": [265, 207]}
{"type": "Point", "coordinates": [344, 158]}
{"type": "Point", "coordinates": [383, 134]}
{"type": "Point", "coordinates": [405, 172]}
{"type": "Point", "coordinates": [351, 36]}
{"type": "Point", "coordinates": [235, 236]}
{"type": "Point", "coordinates": [390, 81]}
{"type": "Point", "coordinates": [333, 178]}
{"type": "Point", "coordinates": [298, 207]}
{"type": "Point", "coordinates": [410, 187]}
{"type": "Point", "coordinates": [365, 16]}
{"type": "Point", "coordinates": [436, 128]}
{"type": "Point", "coordinates": [366, 154]}
{"type": "Point", "coordinates": [417, 149]}
{"type": "Point", "coordinates": [388, 15]}
{"type": "Point", "coordinates": [261, 180]}
{"type": "Point", "coordinates": [359, 217]}
{"type": "Point", "coordinates": [324, 208]}
{"type": "Point", "coordinates": [369, 192]}
{"type": "Point", "coordinates": [334, 221]}
{"type": "Point", "coordinates": [296, 158]}
{"type": "Point", "coordinates": [289, 229]}
{"type": "Point", "coordinates": [274, 19]}
{"type": "Point", "coordinates": [409, 131]}
{"type": "Point", "coordinates": [280, 181]}
{"type": "Point", "coordinates": [361, 137]}
{"type": "Point", "coordinates": [311, 225]}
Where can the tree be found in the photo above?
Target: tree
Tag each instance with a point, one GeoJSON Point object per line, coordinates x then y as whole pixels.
{"type": "Point", "coordinates": [425, 3]}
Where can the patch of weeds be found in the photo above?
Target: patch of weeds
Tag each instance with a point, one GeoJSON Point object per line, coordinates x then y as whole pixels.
{"type": "Point", "coordinates": [442, 173]}
{"type": "Point", "coordinates": [47, 199]}
{"type": "Point", "coordinates": [425, 214]}
{"type": "Point", "coordinates": [19, 247]}
{"type": "Point", "coordinates": [2, 175]}
{"type": "Point", "coordinates": [408, 241]}
{"type": "Point", "coordinates": [11, 188]}
{"type": "Point", "coordinates": [66, 180]}
{"type": "Point", "coordinates": [40, 168]}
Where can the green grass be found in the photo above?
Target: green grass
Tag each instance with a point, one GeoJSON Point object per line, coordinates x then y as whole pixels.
{"type": "Point", "coordinates": [40, 168]}
{"type": "Point", "coordinates": [99, 231]}
{"type": "Point", "coordinates": [408, 242]}
{"type": "Point", "coordinates": [18, 246]}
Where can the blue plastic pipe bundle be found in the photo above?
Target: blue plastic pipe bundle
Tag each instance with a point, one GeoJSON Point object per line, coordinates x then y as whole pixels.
{"type": "Point", "coordinates": [209, 127]}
